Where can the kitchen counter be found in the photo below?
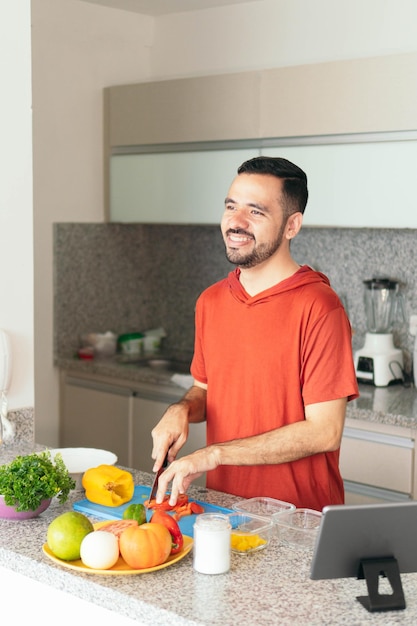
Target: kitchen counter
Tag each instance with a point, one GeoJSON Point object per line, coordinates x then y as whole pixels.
{"type": "Point", "coordinates": [266, 588]}
{"type": "Point", "coordinates": [123, 372]}
{"type": "Point", "coordinates": [395, 405]}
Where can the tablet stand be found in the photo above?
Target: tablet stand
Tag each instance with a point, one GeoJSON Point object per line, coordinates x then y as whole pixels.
{"type": "Point", "coordinates": [371, 570]}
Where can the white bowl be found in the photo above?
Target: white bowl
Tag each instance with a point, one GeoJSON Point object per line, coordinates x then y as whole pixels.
{"type": "Point", "coordinates": [79, 460]}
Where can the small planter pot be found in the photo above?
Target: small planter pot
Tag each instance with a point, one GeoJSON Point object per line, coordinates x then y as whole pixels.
{"type": "Point", "coordinates": [9, 512]}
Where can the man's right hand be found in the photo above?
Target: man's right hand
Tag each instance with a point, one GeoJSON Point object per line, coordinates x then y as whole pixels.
{"type": "Point", "coordinates": [170, 433]}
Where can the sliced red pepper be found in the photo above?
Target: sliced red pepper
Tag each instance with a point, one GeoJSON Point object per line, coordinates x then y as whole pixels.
{"type": "Point", "coordinates": [196, 508]}
{"type": "Point", "coordinates": [165, 505]}
{"type": "Point", "coordinates": [161, 517]}
{"type": "Point", "coordinates": [162, 506]}
{"type": "Point", "coordinates": [191, 508]}
{"type": "Point", "coordinates": [183, 513]}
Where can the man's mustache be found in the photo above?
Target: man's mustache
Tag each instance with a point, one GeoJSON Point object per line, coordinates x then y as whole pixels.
{"type": "Point", "coordinates": [239, 231]}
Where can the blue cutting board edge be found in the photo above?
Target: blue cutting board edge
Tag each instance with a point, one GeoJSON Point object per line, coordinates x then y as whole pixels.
{"type": "Point", "coordinates": [141, 493]}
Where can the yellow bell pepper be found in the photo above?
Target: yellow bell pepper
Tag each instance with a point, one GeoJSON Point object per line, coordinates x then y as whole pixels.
{"type": "Point", "coordinates": [108, 485]}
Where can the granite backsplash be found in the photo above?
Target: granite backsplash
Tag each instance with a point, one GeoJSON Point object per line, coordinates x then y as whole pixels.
{"type": "Point", "coordinates": [23, 424]}
{"type": "Point", "coordinates": [131, 277]}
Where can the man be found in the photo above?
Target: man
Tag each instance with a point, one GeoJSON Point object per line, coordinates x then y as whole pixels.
{"type": "Point", "coordinates": [272, 366]}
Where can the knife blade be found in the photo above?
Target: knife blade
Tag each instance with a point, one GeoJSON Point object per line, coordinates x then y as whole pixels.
{"type": "Point", "coordinates": [156, 479]}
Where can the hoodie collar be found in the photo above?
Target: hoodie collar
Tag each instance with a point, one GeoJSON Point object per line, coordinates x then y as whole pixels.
{"type": "Point", "coordinates": [304, 276]}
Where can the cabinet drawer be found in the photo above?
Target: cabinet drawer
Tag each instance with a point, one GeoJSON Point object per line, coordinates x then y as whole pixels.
{"type": "Point", "coordinates": [376, 459]}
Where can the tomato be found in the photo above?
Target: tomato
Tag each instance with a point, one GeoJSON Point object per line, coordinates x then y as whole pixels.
{"type": "Point", "coordinates": [144, 546]}
{"type": "Point", "coordinates": [160, 517]}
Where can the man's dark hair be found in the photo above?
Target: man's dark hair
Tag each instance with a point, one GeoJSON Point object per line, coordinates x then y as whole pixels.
{"type": "Point", "coordinates": [295, 192]}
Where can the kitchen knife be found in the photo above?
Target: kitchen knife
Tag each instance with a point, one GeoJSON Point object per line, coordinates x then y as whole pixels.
{"type": "Point", "coordinates": [156, 479]}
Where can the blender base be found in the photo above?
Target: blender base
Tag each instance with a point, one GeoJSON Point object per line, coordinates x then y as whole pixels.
{"type": "Point", "coordinates": [379, 363]}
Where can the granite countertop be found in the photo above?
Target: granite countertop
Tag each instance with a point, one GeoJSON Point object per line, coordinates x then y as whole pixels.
{"type": "Point", "coordinates": [266, 588]}
{"type": "Point", "coordinates": [395, 405]}
{"type": "Point", "coordinates": [125, 371]}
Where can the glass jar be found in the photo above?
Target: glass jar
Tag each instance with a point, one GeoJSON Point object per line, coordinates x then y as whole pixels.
{"type": "Point", "coordinates": [211, 551]}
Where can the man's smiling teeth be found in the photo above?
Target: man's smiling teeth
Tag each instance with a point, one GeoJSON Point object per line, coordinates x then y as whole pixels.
{"type": "Point", "coordinates": [239, 238]}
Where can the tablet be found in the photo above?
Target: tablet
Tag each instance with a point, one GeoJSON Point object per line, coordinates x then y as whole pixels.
{"type": "Point", "coordinates": [350, 533]}
{"type": "Point", "coordinates": [368, 541]}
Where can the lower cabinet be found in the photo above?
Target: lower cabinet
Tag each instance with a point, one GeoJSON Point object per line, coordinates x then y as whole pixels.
{"type": "Point", "coordinates": [146, 414]}
{"type": "Point", "coordinates": [96, 414]}
{"type": "Point", "coordinates": [377, 463]}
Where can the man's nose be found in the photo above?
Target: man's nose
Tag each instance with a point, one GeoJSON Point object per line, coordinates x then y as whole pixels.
{"type": "Point", "coordinates": [238, 219]}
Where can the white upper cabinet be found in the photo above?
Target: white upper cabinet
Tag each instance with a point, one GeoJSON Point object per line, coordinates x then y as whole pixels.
{"type": "Point", "coordinates": [361, 184]}
{"type": "Point", "coordinates": [177, 188]}
{"type": "Point", "coordinates": [173, 147]}
{"type": "Point", "coordinates": [364, 185]}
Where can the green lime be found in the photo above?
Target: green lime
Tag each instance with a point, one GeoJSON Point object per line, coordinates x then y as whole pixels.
{"type": "Point", "coordinates": [135, 511]}
{"type": "Point", "coordinates": [65, 534]}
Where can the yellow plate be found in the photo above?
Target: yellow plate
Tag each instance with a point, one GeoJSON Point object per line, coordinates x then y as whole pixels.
{"type": "Point", "coordinates": [121, 568]}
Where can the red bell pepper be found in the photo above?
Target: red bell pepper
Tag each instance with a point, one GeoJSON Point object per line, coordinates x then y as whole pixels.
{"type": "Point", "coordinates": [161, 517]}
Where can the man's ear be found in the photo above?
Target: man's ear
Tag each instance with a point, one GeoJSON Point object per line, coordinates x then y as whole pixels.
{"type": "Point", "coordinates": [294, 223]}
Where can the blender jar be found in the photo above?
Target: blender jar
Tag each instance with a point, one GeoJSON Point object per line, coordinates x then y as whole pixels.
{"type": "Point", "coordinates": [383, 304]}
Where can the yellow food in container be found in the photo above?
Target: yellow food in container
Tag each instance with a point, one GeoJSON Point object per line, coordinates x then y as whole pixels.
{"type": "Point", "coordinates": [244, 543]}
{"type": "Point", "coordinates": [250, 533]}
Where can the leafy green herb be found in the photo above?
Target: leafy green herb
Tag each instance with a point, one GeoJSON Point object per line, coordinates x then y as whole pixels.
{"type": "Point", "coordinates": [28, 480]}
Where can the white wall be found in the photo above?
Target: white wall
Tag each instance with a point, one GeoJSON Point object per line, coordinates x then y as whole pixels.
{"type": "Point", "coordinates": [16, 207]}
{"type": "Point", "coordinates": [79, 48]}
{"type": "Point", "coordinates": [278, 33]}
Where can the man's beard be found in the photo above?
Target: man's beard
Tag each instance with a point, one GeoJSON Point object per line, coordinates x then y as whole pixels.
{"type": "Point", "coordinates": [259, 254]}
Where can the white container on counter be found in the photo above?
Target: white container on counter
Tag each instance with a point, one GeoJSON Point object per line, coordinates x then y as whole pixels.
{"type": "Point", "coordinates": [131, 344]}
{"type": "Point", "coordinates": [152, 340]}
{"type": "Point", "coordinates": [102, 344]}
{"type": "Point", "coordinates": [211, 551]}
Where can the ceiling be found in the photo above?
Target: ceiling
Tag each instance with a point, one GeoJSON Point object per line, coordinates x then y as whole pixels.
{"type": "Point", "coordinates": [164, 7]}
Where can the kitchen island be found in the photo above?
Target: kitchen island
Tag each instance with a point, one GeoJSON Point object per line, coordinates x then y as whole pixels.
{"type": "Point", "coordinates": [266, 588]}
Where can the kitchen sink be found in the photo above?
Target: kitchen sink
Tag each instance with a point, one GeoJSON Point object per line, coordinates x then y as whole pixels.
{"type": "Point", "coordinates": [173, 365]}
{"type": "Point", "coordinates": [157, 362]}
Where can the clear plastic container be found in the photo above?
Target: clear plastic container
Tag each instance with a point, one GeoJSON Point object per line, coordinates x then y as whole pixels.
{"type": "Point", "coordinates": [268, 508]}
{"type": "Point", "coordinates": [249, 533]}
{"type": "Point", "coordinates": [264, 507]}
{"type": "Point", "coordinates": [299, 527]}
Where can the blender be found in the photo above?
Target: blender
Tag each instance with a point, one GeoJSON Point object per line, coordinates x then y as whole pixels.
{"type": "Point", "coordinates": [379, 362]}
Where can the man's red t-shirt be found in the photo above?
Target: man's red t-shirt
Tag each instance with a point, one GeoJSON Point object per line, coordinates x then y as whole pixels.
{"type": "Point", "coordinates": [264, 358]}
